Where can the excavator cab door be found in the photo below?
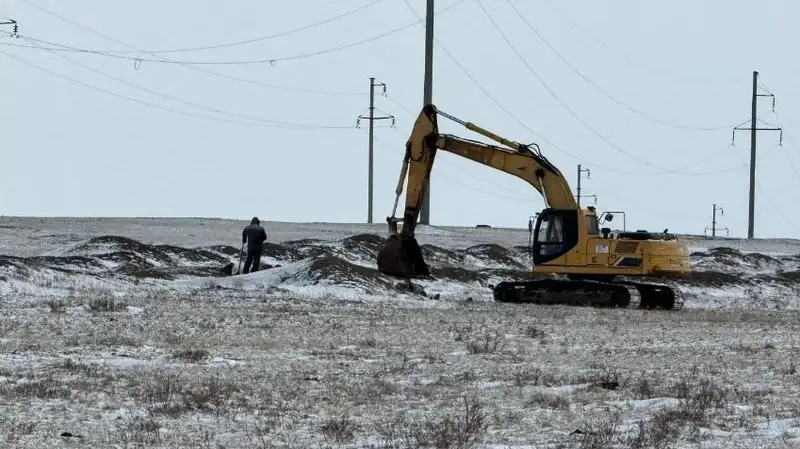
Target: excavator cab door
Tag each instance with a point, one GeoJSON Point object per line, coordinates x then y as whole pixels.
{"type": "Point", "coordinates": [556, 233]}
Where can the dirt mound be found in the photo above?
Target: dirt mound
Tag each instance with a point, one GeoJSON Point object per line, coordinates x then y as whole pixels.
{"type": "Point", "coordinates": [351, 262]}
{"type": "Point", "coordinates": [227, 250]}
{"type": "Point", "coordinates": [111, 256]}
{"type": "Point", "coordinates": [341, 272]}
{"type": "Point", "coordinates": [496, 255]}
{"type": "Point", "coordinates": [306, 248]}
{"type": "Point", "coordinates": [278, 252]}
{"type": "Point", "coordinates": [713, 279]}
{"type": "Point", "coordinates": [731, 258]}
{"type": "Point", "coordinates": [372, 241]}
{"type": "Point", "coordinates": [196, 256]}
{"type": "Point", "coordinates": [435, 255]}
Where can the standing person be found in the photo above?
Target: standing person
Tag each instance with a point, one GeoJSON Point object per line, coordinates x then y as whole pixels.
{"type": "Point", "coordinates": [255, 236]}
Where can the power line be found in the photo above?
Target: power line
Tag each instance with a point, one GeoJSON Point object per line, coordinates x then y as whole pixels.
{"type": "Point", "coordinates": [677, 171]}
{"type": "Point", "coordinates": [188, 103]}
{"type": "Point", "coordinates": [153, 105]}
{"type": "Point", "coordinates": [203, 69]}
{"type": "Point", "coordinates": [234, 43]}
{"type": "Point", "coordinates": [603, 91]}
{"type": "Point", "coordinates": [503, 108]}
{"type": "Point", "coordinates": [636, 62]}
{"type": "Point", "coordinates": [791, 143]}
{"type": "Point", "coordinates": [777, 207]}
{"type": "Point", "coordinates": [563, 104]}
{"type": "Point", "coordinates": [270, 61]}
{"type": "Point", "coordinates": [712, 155]}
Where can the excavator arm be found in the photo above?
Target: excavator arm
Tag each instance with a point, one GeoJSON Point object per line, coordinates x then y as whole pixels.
{"type": "Point", "coordinates": [402, 257]}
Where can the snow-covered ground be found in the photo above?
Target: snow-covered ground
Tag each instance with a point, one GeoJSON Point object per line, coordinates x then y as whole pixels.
{"type": "Point", "coordinates": [127, 333]}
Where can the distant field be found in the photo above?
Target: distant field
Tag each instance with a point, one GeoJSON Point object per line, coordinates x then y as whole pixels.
{"type": "Point", "coordinates": [126, 333]}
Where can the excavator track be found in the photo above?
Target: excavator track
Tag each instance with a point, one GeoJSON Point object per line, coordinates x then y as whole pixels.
{"type": "Point", "coordinates": [657, 296]}
{"type": "Point", "coordinates": [618, 294]}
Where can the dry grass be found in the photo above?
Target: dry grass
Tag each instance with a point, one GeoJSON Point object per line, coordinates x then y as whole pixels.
{"type": "Point", "coordinates": [106, 304]}
{"type": "Point", "coordinates": [291, 373]}
{"type": "Point", "coordinates": [192, 355]}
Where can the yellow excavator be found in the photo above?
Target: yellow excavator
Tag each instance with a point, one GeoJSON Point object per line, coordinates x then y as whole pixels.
{"type": "Point", "coordinates": [586, 265]}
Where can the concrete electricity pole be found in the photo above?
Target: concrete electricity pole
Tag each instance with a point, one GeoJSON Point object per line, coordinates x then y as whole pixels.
{"type": "Point", "coordinates": [427, 98]}
{"type": "Point", "coordinates": [714, 221]}
{"type": "Point", "coordinates": [753, 129]}
{"type": "Point", "coordinates": [371, 117]}
{"type": "Point", "coordinates": [588, 174]}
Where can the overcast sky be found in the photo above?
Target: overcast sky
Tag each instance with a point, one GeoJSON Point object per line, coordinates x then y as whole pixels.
{"type": "Point", "coordinates": [624, 95]}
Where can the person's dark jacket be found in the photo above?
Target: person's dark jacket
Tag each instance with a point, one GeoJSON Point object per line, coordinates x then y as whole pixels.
{"type": "Point", "coordinates": [254, 235]}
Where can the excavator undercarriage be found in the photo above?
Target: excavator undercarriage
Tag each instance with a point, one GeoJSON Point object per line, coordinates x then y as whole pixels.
{"type": "Point", "coordinates": [581, 264]}
{"type": "Point", "coordinates": [584, 292]}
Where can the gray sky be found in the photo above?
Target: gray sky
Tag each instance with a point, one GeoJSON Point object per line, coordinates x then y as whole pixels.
{"type": "Point", "coordinates": [71, 150]}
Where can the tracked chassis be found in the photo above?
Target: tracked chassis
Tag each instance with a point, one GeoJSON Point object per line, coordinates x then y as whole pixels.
{"type": "Point", "coordinates": [618, 293]}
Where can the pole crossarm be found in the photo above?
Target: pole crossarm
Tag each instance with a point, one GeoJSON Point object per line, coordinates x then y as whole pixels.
{"type": "Point", "coordinates": [15, 30]}
{"type": "Point", "coordinates": [738, 128]}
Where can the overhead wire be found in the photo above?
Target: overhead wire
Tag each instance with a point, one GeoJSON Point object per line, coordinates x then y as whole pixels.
{"type": "Point", "coordinates": [763, 194]}
{"type": "Point", "coordinates": [270, 61]}
{"type": "Point", "coordinates": [204, 69]}
{"type": "Point", "coordinates": [564, 105]}
{"type": "Point", "coordinates": [710, 156]}
{"type": "Point", "coordinates": [240, 42]}
{"type": "Point", "coordinates": [502, 107]}
{"type": "Point", "coordinates": [654, 70]}
{"type": "Point", "coordinates": [153, 105]}
{"type": "Point", "coordinates": [791, 143]}
{"type": "Point", "coordinates": [603, 91]}
{"type": "Point", "coordinates": [201, 70]}
{"type": "Point", "coordinates": [192, 104]}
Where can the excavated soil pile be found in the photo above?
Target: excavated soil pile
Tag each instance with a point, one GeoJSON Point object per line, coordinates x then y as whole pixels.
{"type": "Point", "coordinates": [351, 262]}
{"type": "Point", "coordinates": [121, 257]}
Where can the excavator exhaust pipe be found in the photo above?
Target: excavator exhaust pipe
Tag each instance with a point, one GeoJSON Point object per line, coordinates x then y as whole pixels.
{"type": "Point", "coordinates": [402, 257]}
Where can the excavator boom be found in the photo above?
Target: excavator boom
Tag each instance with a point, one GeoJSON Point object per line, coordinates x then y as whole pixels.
{"type": "Point", "coordinates": [402, 257]}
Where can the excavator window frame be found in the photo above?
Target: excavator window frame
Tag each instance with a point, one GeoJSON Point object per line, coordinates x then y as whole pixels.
{"type": "Point", "coordinates": [568, 239]}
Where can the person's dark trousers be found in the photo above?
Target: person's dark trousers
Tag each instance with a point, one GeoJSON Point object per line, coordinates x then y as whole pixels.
{"type": "Point", "coordinates": [253, 258]}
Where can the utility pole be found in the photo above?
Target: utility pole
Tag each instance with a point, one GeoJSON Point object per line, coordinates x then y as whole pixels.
{"type": "Point", "coordinates": [753, 129]}
{"type": "Point", "coordinates": [714, 228]}
{"type": "Point", "coordinates": [588, 175]}
{"type": "Point", "coordinates": [427, 98]}
{"type": "Point", "coordinates": [371, 117]}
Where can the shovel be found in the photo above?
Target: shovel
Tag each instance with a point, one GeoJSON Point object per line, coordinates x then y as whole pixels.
{"type": "Point", "coordinates": [241, 253]}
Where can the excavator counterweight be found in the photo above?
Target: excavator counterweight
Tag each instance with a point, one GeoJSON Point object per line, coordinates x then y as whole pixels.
{"type": "Point", "coordinates": [587, 265]}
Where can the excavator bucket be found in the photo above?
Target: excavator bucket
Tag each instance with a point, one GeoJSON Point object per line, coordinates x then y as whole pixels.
{"type": "Point", "coordinates": [402, 257]}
